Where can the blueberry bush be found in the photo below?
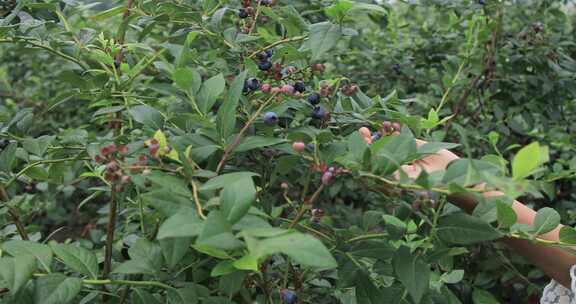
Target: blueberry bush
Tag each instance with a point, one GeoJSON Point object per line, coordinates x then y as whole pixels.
{"type": "Point", "coordinates": [248, 151]}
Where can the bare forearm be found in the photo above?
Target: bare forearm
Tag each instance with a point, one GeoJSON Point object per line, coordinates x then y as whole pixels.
{"type": "Point", "coordinates": [555, 262]}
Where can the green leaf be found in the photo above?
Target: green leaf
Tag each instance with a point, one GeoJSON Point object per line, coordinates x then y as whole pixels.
{"type": "Point", "coordinates": [247, 262]}
{"type": "Point", "coordinates": [174, 249]}
{"type": "Point", "coordinates": [187, 79]}
{"type": "Point", "coordinates": [464, 172]}
{"type": "Point", "coordinates": [505, 214]}
{"type": "Point", "coordinates": [323, 37]}
{"type": "Point", "coordinates": [389, 157]}
{"type": "Point", "coordinates": [209, 92]}
{"type": "Point", "coordinates": [253, 142]}
{"type": "Point", "coordinates": [226, 120]}
{"type": "Point", "coordinates": [109, 13]}
{"type": "Point", "coordinates": [77, 258]}
{"type": "Point", "coordinates": [217, 233]}
{"type": "Point", "coordinates": [222, 180]}
{"type": "Point", "coordinates": [339, 9]}
{"type": "Point", "coordinates": [141, 296]}
{"type": "Point", "coordinates": [464, 229]}
{"type": "Point", "coordinates": [452, 277]}
{"type": "Point", "coordinates": [546, 220]}
{"type": "Point", "coordinates": [17, 271]}
{"type": "Point", "coordinates": [145, 257]}
{"type": "Point", "coordinates": [184, 223]}
{"type": "Point", "coordinates": [222, 268]}
{"type": "Point", "coordinates": [236, 199]}
{"type": "Point", "coordinates": [302, 248]}
{"type": "Point", "coordinates": [480, 296]}
{"type": "Point", "coordinates": [366, 291]}
{"type": "Point", "coordinates": [526, 161]}
{"type": "Point", "coordinates": [433, 147]}
{"type": "Point", "coordinates": [56, 289]}
{"type": "Point", "coordinates": [568, 235]}
{"type": "Point", "coordinates": [147, 116]}
{"type": "Point", "coordinates": [413, 272]}
{"type": "Point", "coordinates": [7, 158]}
{"type": "Point", "coordinates": [38, 145]}
{"type": "Point", "coordinates": [41, 252]}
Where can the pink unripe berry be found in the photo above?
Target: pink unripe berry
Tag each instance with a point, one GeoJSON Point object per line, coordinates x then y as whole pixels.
{"type": "Point", "coordinates": [396, 126]}
{"type": "Point", "coordinates": [275, 90]}
{"type": "Point", "coordinates": [327, 177]}
{"type": "Point", "coordinates": [125, 179]}
{"type": "Point", "coordinates": [112, 166]}
{"type": "Point", "coordinates": [266, 88]}
{"type": "Point", "coordinates": [284, 185]}
{"type": "Point", "coordinates": [123, 149]}
{"type": "Point", "coordinates": [299, 146]}
{"type": "Point", "coordinates": [386, 125]}
{"type": "Point", "coordinates": [287, 89]}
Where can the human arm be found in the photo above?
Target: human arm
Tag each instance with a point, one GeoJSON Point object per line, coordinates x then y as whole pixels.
{"type": "Point", "coordinates": [554, 262]}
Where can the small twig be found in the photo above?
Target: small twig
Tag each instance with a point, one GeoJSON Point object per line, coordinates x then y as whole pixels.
{"type": "Point", "coordinates": [110, 234]}
{"type": "Point", "coordinates": [41, 162]}
{"type": "Point", "coordinates": [238, 137]}
{"type": "Point", "coordinates": [305, 205]}
{"type": "Point", "coordinates": [47, 48]}
{"type": "Point", "coordinates": [197, 200]}
{"type": "Point", "coordinates": [276, 43]}
{"type": "Point", "coordinates": [14, 215]}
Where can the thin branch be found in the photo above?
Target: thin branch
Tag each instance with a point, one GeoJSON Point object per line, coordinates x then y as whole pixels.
{"type": "Point", "coordinates": [197, 200]}
{"type": "Point", "coordinates": [279, 42]}
{"type": "Point", "coordinates": [305, 205]}
{"type": "Point", "coordinates": [47, 48]}
{"type": "Point", "coordinates": [13, 214]}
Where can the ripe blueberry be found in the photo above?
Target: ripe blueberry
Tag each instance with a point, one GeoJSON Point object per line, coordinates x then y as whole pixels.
{"type": "Point", "coordinates": [251, 84]}
{"type": "Point", "coordinates": [376, 136]}
{"type": "Point", "coordinates": [265, 65]}
{"type": "Point", "coordinates": [270, 118]}
{"type": "Point", "coordinates": [269, 52]}
{"type": "Point", "coordinates": [288, 296]}
{"type": "Point", "coordinates": [300, 87]}
{"type": "Point", "coordinates": [4, 143]}
{"type": "Point", "coordinates": [314, 98]}
{"type": "Point", "coordinates": [319, 112]}
{"type": "Point", "coordinates": [242, 13]}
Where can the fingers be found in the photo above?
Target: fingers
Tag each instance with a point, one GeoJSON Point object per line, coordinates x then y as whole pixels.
{"type": "Point", "coordinates": [366, 135]}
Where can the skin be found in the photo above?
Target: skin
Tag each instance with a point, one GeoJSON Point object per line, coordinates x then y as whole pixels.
{"type": "Point", "coordinates": [554, 262]}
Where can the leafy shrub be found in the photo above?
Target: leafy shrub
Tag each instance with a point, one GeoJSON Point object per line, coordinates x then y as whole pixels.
{"type": "Point", "coordinates": [208, 151]}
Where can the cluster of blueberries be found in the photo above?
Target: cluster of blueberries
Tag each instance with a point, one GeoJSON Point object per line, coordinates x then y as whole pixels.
{"type": "Point", "coordinates": [265, 63]}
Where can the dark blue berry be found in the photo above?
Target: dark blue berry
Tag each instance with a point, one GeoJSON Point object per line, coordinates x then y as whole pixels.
{"type": "Point", "coordinates": [262, 56]}
{"type": "Point", "coordinates": [265, 65]}
{"type": "Point", "coordinates": [376, 136]}
{"type": "Point", "coordinates": [300, 87]}
{"type": "Point", "coordinates": [270, 118]}
{"type": "Point", "coordinates": [314, 98]}
{"type": "Point", "coordinates": [266, 2]}
{"type": "Point", "coordinates": [269, 52]}
{"type": "Point", "coordinates": [4, 143]}
{"type": "Point", "coordinates": [242, 13]}
{"type": "Point", "coordinates": [251, 84]}
{"type": "Point", "coordinates": [319, 112]}
{"type": "Point", "coordinates": [481, 2]}
{"type": "Point", "coordinates": [288, 296]}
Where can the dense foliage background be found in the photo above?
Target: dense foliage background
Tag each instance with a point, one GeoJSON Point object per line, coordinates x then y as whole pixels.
{"type": "Point", "coordinates": [147, 149]}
